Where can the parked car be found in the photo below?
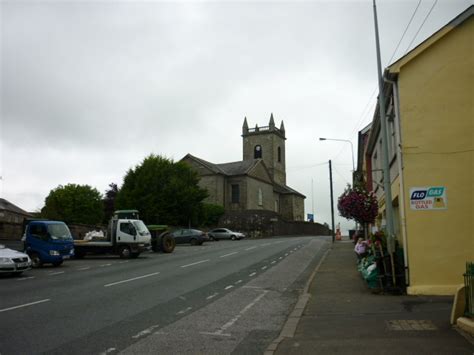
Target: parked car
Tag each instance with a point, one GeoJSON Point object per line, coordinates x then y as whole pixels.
{"type": "Point", "coordinates": [193, 236]}
{"type": "Point", "coordinates": [224, 233]}
{"type": "Point", "coordinates": [12, 261]}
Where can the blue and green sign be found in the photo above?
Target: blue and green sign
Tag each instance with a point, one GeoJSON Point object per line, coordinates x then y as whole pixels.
{"type": "Point", "coordinates": [428, 198]}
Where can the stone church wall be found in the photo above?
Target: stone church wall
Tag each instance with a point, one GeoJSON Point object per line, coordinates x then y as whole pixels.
{"type": "Point", "coordinates": [256, 223]}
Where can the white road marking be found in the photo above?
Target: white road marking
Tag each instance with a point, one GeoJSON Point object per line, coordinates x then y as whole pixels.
{"type": "Point", "coordinates": [123, 262]}
{"type": "Point", "coordinates": [104, 265]}
{"type": "Point", "coordinates": [132, 279]}
{"type": "Point", "coordinates": [108, 351]}
{"type": "Point", "coordinates": [185, 310]}
{"type": "Point", "coordinates": [237, 282]}
{"type": "Point", "coordinates": [253, 274]}
{"type": "Point", "coordinates": [228, 287]}
{"type": "Point", "coordinates": [250, 248]}
{"type": "Point", "coordinates": [145, 332]}
{"type": "Point", "coordinates": [26, 278]}
{"type": "Point", "coordinates": [281, 257]}
{"type": "Point", "coordinates": [273, 262]}
{"type": "Point", "coordinates": [211, 296]}
{"type": "Point", "coordinates": [286, 254]}
{"type": "Point", "coordinates": [24, 305]}
{"type": "Point", "coordinates": [230, 323]}
{"type": "Point", "coordinates": [264, 267]}
{"type": "Point", "coordinates": [198, 262]}
{"type": "Point", "coordinates": [84, 268]}
{"type": "Point", "coordinates": [56, 273]}
{"type": "Point", "coordinates": [223, 256]}
{"type": "Point", "coordinates": [254, 287]}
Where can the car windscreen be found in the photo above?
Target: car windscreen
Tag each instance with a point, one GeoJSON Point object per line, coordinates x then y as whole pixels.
{"type": "Point", "coordinates": [59, 232]}
{"type": "Point", "coordinates": [141, 228]}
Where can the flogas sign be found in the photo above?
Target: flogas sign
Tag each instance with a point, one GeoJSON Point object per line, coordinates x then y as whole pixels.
{"type": "Point", "coordinates": [428, 198]}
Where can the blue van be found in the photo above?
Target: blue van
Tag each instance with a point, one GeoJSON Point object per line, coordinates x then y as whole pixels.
{"type": "Point", "coordinates": [47, 242]}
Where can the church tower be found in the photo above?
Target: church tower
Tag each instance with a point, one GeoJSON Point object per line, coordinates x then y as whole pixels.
{"type": "Point", "coordinates": [267, 143]}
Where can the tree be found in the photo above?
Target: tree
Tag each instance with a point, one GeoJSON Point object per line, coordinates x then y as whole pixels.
{"type": "Point", "coordinates": [163, 191]}
{"type": "Point", "coordinates": [358, 204]}
{"type": "Point", "coordinates": [74, 204]}
{"type": "Point", "coordinates": [109, 201]}
{"type": "Point", "coordinates": [211, 214]}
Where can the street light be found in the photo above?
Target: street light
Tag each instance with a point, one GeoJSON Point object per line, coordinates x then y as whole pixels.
{"type": "Point", "coordinates": [342, 140]}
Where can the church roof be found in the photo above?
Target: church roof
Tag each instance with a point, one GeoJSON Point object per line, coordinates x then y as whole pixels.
{"type": "Point", "coordinates": [286, 190]}
{"type": "Point", "coordinates": [237, 167]}
{"type": "Point", "coordinates": [229, 169]}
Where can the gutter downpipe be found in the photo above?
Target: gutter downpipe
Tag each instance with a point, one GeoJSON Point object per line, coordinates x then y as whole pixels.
{"type": "Point", "coordinates": [402, 180]}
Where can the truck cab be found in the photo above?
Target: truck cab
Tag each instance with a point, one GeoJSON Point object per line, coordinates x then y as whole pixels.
{"type": "Point", "coordinates": [47, 242]}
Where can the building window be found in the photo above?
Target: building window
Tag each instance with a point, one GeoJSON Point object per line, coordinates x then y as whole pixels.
{"type": "Point", "coordinates": [279, 154]}
{"type": "Point", "coordinates": [235, 193]}
{"type": "Point", "coordinates": [277, 208]}
{"type": "Point", "coordinates": [257, 152]}
{"type": "Point", "coordinates": [260, 197]}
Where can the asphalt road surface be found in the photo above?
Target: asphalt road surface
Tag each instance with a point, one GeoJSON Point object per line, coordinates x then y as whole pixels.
{"type": "Point", "coordinates": [220, 298]}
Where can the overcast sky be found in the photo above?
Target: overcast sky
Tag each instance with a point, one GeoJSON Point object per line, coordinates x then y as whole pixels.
{"type": "Point", "coordinates": [89, 88]}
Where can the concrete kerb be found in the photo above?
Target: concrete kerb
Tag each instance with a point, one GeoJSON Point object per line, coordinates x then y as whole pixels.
{"type": "Point", "coordinates": [289, 329]}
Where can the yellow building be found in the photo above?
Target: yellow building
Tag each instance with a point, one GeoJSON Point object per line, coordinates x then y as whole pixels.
{"type": "Point", "coordinates": [430, 113]}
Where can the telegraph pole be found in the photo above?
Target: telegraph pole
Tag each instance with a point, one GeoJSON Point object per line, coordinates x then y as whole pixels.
{"type": "Point", "coordinates": [387, 186]}
{"type": "Point", "coordinates": [332, 200]}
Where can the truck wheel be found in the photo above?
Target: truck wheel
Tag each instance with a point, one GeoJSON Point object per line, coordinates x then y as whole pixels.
{"type": "Point", "coordinates": [57, 263]}
{"type": "Point", "coordinates": [167, 243]}
{"type": "Point", "coordinates": [36, 260]}
{"type": "Point", "coordinates": [124, 252]}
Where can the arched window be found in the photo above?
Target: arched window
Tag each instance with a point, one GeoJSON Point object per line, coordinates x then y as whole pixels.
{"type": "Point", "coordinates": [257, 152]}
{"type": "Point", "coordinates": [279, 154]}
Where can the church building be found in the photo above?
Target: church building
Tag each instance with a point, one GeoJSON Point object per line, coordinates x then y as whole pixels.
{"type": "Point", "coordinates": [258, 182]}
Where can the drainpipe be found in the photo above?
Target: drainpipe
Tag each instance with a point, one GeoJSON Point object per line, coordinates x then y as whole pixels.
{"type": "Point", "coordinates": [398, 140]}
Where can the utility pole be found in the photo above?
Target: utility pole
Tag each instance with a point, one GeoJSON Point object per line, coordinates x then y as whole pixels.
{"type": "Point", "coordinates": [387, 186]}
{"type": "Point", "coordinates": [332, 200]}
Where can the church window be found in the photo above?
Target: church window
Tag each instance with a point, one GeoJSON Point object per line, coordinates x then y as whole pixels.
{"type": "Point", "coordinates": [257, 152]}
{"type": "Point", "coordinates": [279, 154]}
{"type": "Point", "coordinates": [260, 197]}
{"type": "Point", "coordinates": [235, 193]}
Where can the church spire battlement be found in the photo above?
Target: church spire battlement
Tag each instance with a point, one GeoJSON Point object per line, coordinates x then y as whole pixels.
{"type": "Point", "coordinates": [263, 129]}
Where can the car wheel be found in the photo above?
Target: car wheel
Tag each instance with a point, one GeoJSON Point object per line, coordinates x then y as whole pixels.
{"type": "Point", "coordinates": [36, 260]}
{"type": "Point", "coordinates": [57, 263]}
{"type": "Point", "coordinates": [232, 237]}
{"type": "Point", "coordinates": [124, 252]}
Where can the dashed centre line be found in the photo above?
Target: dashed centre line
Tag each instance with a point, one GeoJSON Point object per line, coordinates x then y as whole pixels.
{"type": "Point", "coordinates": [24, 305]}
{"type": "Point", "coordinates": [211, 296]}
{"type": "Point", "coordinates": [198, 262]}
{"type": "Point", "coordinates": [145, 332]}
{"type": "Point", "coordinates": [84, 268]}
{"type": "Point", "coordinates": [26, 278]}
{"type": "Point", "coordinates": [253, 274]}
{"type": "Point", "coordinates": [132, 279]}
{"type": "Point", "coordinates": [228, 287]}
{"type": "Point", "coordinates": [264, 267]}
{"type": "Point", "coordinates": [251, 248]}
{"type": "Point", "coordinates": [223, 256]}
{"type": "Point", "coordinates": [56, 273]}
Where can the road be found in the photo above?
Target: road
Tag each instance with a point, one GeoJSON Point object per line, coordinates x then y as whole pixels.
{"type": "Point", "coordinates": [220, 298]}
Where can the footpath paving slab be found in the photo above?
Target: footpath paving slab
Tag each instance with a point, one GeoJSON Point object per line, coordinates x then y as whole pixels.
{"type": "Point", "coordinates": [342, 316]}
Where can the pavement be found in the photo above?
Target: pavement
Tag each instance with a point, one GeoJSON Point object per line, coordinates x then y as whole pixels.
{"type": "Point", "coordinates": [338, 314]}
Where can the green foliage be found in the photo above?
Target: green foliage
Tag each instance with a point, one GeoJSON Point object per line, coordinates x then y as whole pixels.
{"type": "Point", "coordinates": [163, 191]}
{"type": "Point", "coordinates": [109, 201]}
{"type": "Point", "coordinates": [211, 214]}
{"type": "Point", "coordinates": [74, 204]}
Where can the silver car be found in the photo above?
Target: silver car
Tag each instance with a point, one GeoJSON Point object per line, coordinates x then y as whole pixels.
{"type": "Point", "coordinates": [13, 262]}
{"type": "Point", "coordinates": [224, 233]}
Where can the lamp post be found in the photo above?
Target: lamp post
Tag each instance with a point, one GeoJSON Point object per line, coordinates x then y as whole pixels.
{"type": "Point", "coordinates": [342, 140]}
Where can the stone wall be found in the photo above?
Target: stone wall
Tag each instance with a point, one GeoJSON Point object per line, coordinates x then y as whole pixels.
{"type": "Point", "coordinates": [256, 223]}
